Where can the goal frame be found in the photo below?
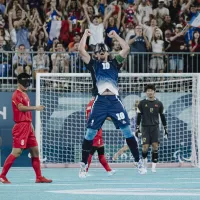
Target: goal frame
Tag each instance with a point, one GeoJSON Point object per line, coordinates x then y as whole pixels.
{"type": "Point", "coordinates": [66, 165]}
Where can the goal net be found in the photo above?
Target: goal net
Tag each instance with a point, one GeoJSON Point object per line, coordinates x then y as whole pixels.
{"type": "Point", "coordinates": [61, 127]}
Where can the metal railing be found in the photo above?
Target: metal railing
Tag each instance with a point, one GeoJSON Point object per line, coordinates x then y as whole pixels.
{"type": "Point", "coordinates": [68, 62]}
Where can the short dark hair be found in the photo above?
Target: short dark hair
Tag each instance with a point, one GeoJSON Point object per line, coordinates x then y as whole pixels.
{"type": "Point", "coordinates": [150, 86]}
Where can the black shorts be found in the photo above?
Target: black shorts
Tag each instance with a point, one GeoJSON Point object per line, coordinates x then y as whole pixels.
{"type": "Point", "coordinates": [150, 134]}
{"type": "Point", "coordinates": [100, 150]}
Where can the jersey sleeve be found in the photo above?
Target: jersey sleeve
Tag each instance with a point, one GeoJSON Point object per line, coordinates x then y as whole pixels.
{"type": "Point", "coordinates": [139, 108]}
{"type": "Point", "coordinates": [17, 99]}
{"type": "Point", "coordinates": [161, 110]}
{"type": "Point", "coordinates": [89, 66]}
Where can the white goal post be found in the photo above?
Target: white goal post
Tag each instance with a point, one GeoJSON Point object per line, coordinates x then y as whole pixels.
{"type": "Point", "coordinates": [61, 127]}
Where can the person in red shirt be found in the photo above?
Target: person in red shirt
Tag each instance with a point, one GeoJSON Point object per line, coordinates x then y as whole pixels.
{"type": "Point", "coordinates": [98, 145]}
{"type": "Point", "coordinates": [23, 132]}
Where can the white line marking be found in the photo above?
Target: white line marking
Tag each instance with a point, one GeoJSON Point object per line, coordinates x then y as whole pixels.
{"type": "Point", "coordinates": [187, 178]}
{"type": "Point", "coordinates": [132, 191]}
{"type": "Point", "coordinates": [89, 183]}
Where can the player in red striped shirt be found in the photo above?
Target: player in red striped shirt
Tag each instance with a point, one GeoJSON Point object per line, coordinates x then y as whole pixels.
{"type": "Point", "coordinates": [23, 132]}
{"type": "Point", "coordinates": [98, 145]}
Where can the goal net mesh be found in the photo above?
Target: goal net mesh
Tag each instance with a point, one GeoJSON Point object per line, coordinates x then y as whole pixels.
{"type": "Point", "coordinates": [62, 125]}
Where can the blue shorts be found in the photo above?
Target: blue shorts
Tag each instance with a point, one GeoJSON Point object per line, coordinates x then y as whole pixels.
{"type": "Point", "coordinates": [107, 106]}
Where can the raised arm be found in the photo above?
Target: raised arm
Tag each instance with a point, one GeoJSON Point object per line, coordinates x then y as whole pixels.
{"type": "Point", "coordinates": [124, 45]}
{"type": "Point", "coordinates": [83, 53]}
{"type": "Point", "coordinates": [86, 13]}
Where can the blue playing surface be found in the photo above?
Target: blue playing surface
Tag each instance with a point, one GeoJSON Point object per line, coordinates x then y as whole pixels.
{"type": "Point", "coordinates": [166, 184]}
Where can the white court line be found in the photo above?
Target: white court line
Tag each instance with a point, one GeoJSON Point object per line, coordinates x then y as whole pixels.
{"type": "Point", "coordinates": [131, 191]}
{"type": "Point", "coordinates": [186, 178]}
{"type": "Point", "coordinates": [88, 183]}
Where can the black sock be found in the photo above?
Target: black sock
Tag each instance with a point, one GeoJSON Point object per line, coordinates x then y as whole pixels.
{"type": "Point", "coordinates": [155, 156]}
{"type": "Point", "coordinates": [133, 146]}
{"type": "Point", "coordinates": [86, 146]}
{"type": "Point", "coordinates": [144, 154]}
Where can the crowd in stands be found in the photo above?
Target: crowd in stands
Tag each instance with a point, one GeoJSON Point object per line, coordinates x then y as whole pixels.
{"type": "Point", "coordinates": [151, 27]}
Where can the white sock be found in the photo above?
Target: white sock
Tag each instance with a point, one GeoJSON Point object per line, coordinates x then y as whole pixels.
{"type": "Point", "coordinates": [153, 165]}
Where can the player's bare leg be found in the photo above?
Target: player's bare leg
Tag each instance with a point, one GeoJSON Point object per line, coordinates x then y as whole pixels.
{"type": "Point", "coordinates": [145, 149]}
{"type": "Point", "coordinates": [154, 156]}
{"type": "Point", "coordinates": [36, 166]}
{"type": "Point", "coordinates": [16, 152]}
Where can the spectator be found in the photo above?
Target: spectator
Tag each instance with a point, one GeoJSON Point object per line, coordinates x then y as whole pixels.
{"type": "Point", "coordinates": [139, 43]}
{"type": "Point", "coordinates": [39, 37]}
{"type": "Point", "coordinates": [60, 60]}
{"type": "Point", "coordinates": [157, 45]}
{"type": "Point", "coordinates": [194, 46]}
{"type": "Point", "coordinates": [160, 12]}
{"type": "Point", "coordinates": [76, 38]}
{"type": "Point", "coordinates": [76, 63]}
{"type": "Point", "coordinates": [174, 10]}
{"type": "Point", "coordinates": [177, 45]}
{"type": "Point", "coordinates": [40, 62]}
{"type": "Point", "coordinates": [112, 24]}
{"type": "Point", "coordinates": [2, 6]}
{"type": "Point", "coordinates": [22, 61]}
{"type": "Point", "coordinates": [22, 32]}
{"type": "Point", "coordinates": [96, 27]}
{"type": "Point", "coordinates": [149, 30]}
{"type": "Point", "coordinates": [144, 11]}
{"type": "Point", "coordinates": [167, 24]}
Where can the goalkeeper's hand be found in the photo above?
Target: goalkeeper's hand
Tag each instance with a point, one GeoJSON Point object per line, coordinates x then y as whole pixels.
{"type": "Point", "coordinates": [138, 132]}
{"type": "Point", "coordinates": [165, 133]}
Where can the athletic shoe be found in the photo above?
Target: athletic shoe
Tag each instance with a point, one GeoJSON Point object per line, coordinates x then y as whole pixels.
{"type": "Point", "coordinates": [112, 172]}
{"type": "Point", "coordinates": [141, 168]}
{"type": "Point", "coordinates": [42, 179]}
{"type": "Point", "coordinates": [82, 171]}
{"type": "Point", "coordinates": [153, 170]}
{"type": "Point", "coordinates": [4, 180]}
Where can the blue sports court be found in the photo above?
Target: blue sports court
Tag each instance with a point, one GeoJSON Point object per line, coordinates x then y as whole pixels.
{"type": "Point", "coordinates": [166, 184]}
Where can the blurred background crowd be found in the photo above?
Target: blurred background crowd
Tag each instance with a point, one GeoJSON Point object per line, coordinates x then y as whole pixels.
{"type": "Point", "coordinates": [43, 35]}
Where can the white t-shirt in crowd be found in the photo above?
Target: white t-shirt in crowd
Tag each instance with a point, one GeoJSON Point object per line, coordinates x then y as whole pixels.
{"type": "Point", "coordinates": [157, 46]}
{"type": "Point", "coordinates": [97, 33]}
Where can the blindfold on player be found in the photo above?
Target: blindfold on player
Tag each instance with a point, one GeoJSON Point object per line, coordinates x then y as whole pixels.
{"type": "Point", "coordinates": [24, 80]}
{"type": "Point", "coordinates": [101, 51]}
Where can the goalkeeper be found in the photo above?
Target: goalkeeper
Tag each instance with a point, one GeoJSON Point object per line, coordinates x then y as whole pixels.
{"type": "Point", "coordinates": [148, 112]}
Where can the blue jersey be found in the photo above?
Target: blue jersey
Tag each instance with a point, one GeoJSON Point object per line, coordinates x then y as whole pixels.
{"type": "Point", "coordinates": [105, 72]}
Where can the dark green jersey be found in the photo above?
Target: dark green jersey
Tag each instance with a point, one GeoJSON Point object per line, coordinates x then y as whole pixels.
{"type": "Point", "coordinates": [150, 111]}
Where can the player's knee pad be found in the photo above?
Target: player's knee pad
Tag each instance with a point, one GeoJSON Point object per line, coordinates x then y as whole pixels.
{"type": "Point", "coordinates": [100, 150]}
{"type": "Point", "coordinates": [90, 134]}
{"type": "Point", "coordinates": [126, 130]}
{"type": "Point", "coordinates": [155, 156]}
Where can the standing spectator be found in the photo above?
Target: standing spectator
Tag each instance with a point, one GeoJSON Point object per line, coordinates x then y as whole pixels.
{"type": "Point", "coordinates": [139, 43]}
{"type": "Point", "coordinates": [2, 6]}
{"type": "Point", "coordinates": [144, 10]}
{"type": "Point", "coordinates": [40, 62]}
{"type": "Point", "coordinates": [194, 46]}
{"type": "Point", "coordinates": [177, 45]}
{"type": "Point", "coordinates": [76, 39]}
{"type": "Point", "coordinates": [174, 10]}
{"type": "Point", "coordinates": [96, 27]}
{"type": "Point", "coordinates": [22, 61]}
{"type": "Point", "coordinates": [60, 60]}
{"type": "Point", "coordinates": [149, 30]}
{"type": "Point", "coordinates": [157, 45]}
{"type": "Point", "coordinates": [112, 25]}
{"type": "Point", "coordinates": [160, 12]}
{"type": "Point", "coordinates": [22, 32]}
{"type": "Point", "coordinates": [167, 24]}
{"type": "Point", "coordinates": [39, 37]}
